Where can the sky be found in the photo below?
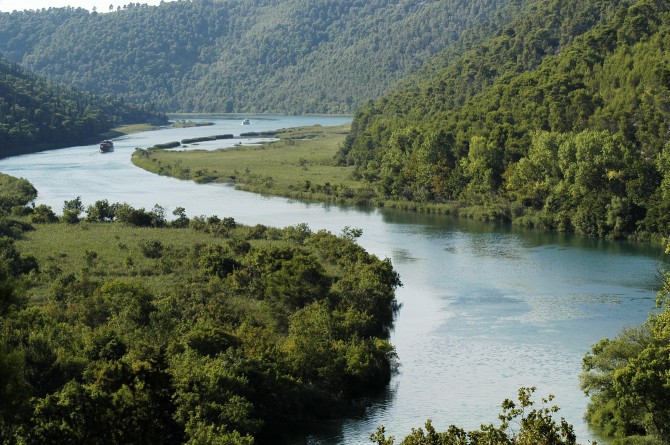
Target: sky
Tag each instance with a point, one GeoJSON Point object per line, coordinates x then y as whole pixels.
{"type": "Point", "coordinates": [101, 5]}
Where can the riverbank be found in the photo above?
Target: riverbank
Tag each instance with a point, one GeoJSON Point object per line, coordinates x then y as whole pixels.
{"type": "Point", "coordinates": [115, 132]}
{"type": "Point", "coordinates": [301, 165]}
{"type": "Point", "coordinates": [529, 301]}
{"type": "Point", "coordinates": [215, 315]}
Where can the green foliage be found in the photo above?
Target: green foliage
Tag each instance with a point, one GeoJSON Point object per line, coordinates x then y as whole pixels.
{"type": "Point", "coordinates": [205, 336]}
{"type": "Point", "coordinates": [12, 261]}
{"type": "Point", "coordinates": [127, 214]}
{"type": "Point", "coordinates": [627, 380]}
{"type": "Point", "coordinates": [10, 299]}
{"type": "Point", "coordinates": [15, 192]}
{"type": "Point", "coordinates": [101, 211]}
{"type": "Point", "coordinates": [295, 166]}
{"type": "Point", "coordinates": [294, 56]}
{"type": "Point", "coordinates": [38, 114]}
{"type": "Point", "coordinates": [72, 209]}
{"type": "Point", "coordinates": [200, 432]}
{"type": "Point", "coordinates": [43, 214]}
{"type": "Point", "coordinates": [521, 424]}
{"type": "Point", "coordinates": [14, 389]}
{"type": "Point", "coordinates": [599, 367]}
{"type": "Point", "coordinates": [557, 121]}
{"type": "Point", "coordinates": [182, 220]}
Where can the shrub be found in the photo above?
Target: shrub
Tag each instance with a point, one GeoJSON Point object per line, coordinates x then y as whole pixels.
{"type": "Point", "coordinates": [42, 214]}
{"type": "Point", "coordinates": [152, 249]}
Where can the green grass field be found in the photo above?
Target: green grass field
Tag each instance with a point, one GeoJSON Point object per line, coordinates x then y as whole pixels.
{"type": "Point", "coordinates": [110, 250]}
{"type": "Point", "coordinates": [300, 165]}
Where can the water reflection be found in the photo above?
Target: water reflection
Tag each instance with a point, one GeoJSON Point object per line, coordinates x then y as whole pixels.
{"type": "Point", "coordinates": [438, 226]}
{"type": "Point", "coordinates": [329, 432]}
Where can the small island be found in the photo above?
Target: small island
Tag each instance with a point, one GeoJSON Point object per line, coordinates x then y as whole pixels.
{"type": "Point", "coordinates": [189, 124]}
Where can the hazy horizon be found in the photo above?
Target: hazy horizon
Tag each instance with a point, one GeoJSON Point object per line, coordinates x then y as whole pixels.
{"type": "Point", "coordinates": [100, 5]}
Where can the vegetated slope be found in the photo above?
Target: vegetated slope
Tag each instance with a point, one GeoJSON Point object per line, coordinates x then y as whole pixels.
{"type": "Point", "coordinates": [35, 112]}
{"type": "Point", "coordinates": [134, 330]}
{"type": "Point", "coordinates": [294, 56]}
{"type": "Point", "coordinates": [558, 121]}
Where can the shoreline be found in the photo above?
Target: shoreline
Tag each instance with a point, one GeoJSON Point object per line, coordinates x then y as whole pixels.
{"type": "Point", "coordinates": [115, 132]}
{"type": "Point", "coordinates": [303, 168]}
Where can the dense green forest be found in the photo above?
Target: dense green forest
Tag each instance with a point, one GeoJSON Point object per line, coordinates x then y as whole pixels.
{"type": "Point", "coordinates": [119, 326]}
{"type": "Point", "coordinates": [559, 121]}
{"type": "Point", "coordinates": [290, 56]}
{"type": "Point", "coordinates": [38, 113]}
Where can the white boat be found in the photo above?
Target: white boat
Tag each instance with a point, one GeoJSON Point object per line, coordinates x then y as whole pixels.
{"type": "Point", "coordinates": [246, 122]}
{"type": "Point", "coordinates": [106, 146]}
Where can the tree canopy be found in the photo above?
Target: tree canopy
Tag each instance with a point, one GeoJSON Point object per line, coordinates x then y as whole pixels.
{"type": "Point", "coordinates": [559, 121]}
{"type": "Point", "coordinates": [521, 423]}
{"type": "Point", "coordinates": [39, 113]}
{"type": "Point", "coordinates": [290, 56]}
{"type": "Point", "coordinates": [627, 379]}
{"type": "Point", "coordinates": [119, 326]}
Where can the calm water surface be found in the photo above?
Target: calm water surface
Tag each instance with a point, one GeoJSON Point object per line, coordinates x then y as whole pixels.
{"type": "Point", "coordinates": [486, 308]}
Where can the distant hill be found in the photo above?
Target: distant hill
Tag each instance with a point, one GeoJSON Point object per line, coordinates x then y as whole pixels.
{"type": "Point", "coordinates": [38, 113]}
{"type": "Point", "coordinates": [289, 56]}
{"type": "Point", "coordinates": [559, 120]}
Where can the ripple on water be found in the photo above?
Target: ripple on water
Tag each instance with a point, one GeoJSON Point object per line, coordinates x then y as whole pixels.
{"type": "Point", "coordinates": [403, 256]}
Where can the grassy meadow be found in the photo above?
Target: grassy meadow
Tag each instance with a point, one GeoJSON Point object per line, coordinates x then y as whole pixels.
{"type": "Point", "coordinates": [300, 165]}
{"type": "Point", "coordinates": [113, 250]}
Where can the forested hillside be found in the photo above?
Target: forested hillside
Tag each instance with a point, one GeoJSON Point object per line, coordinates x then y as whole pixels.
{"type": "Point", "coordinates": [292, 56]}
{"type": "Point", "coordinates": [561, 121]}
{"type": "Point", "coordinates": [120, 327]}
{"type": "Point", "coordinates": [35, 112]}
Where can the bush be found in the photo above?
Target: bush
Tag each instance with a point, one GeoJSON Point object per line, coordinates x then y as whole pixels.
{"type": "Point", "coordinates": [101, 211]}
{"type": "Point", "coordinates": [42, 214]}
{"type": "Point", "coordinates": [152, 249]}
{"type": "Point", "coordinates": [133, 217]}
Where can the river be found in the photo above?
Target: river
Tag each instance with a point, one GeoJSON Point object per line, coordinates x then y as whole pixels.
{"type": "Point", "coordinates": [486, 308]}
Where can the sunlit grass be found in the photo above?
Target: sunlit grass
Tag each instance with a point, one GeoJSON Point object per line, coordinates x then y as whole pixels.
{"type": "Point", "coordinates": [134, 128]}
{"type": "Point", "coordinates": [300, 165]}
{"type": "Point", "coordinates": [108, 250]}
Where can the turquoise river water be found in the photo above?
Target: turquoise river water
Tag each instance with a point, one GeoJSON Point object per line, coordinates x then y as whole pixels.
{"type": "Point", "coordinates": [486, 308]}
